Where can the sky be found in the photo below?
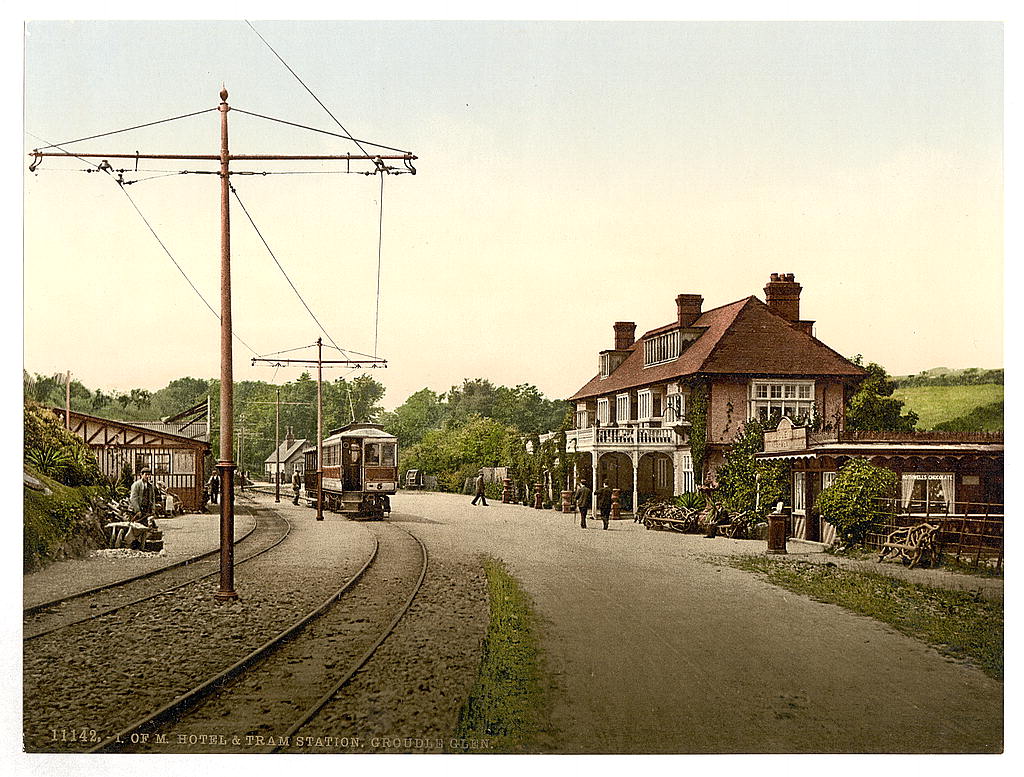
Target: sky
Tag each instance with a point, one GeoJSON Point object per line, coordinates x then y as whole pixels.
{"type": "Point", "coordinates": [569, 175]}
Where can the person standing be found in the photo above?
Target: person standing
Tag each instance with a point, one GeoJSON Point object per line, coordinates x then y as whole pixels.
{"type": "Point", "coordinates": [214, 484]}
{"type": "Point", "coordinates": [142, 497]}
{"type": "Point", "coordinates": [604, 502]}
{"type": "Point", "coordinates": [296, 485]}
{"type": "Point", "coordinates": [480, 489]}
{"type": "Point", "coordinates": [582, 497]}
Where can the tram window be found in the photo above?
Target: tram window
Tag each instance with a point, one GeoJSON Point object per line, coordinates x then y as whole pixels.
{"type": "Point", "coordinates": [388, 455]}
{"type": "Point", "coordinates": [373, 454]}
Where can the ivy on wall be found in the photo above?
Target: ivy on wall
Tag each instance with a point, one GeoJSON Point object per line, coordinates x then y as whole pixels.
{"type": "Point", "coordinates": [698, 418]}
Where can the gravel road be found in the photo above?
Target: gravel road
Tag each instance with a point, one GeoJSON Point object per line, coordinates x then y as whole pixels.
{"type": "Point", "coordinates": [654, 649]}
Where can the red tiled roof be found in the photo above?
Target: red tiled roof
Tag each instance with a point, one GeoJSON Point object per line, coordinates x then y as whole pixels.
{"type": "Point", "coordinates": [742, 338]}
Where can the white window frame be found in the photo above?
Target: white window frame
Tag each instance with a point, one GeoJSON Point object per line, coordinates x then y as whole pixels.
{"type": "Point", "coordinates": [622, 404]}
{"type": "Point", "coordinates": [800, 493]}
{"type": "Point", "coordinates": [604, 411]}
{"type": "Point", "coordinates": [827, 479]}
{"type": "Point", "coordinates": [662, 348]}
{"type": "Point", "coordinates": [791, 398]}
{"type": "Point", "coordinates": [604, 364]}
{"type": "Point", "coordinates": [675, 407]}
{"type": "Point", "coordinates": [948, 485]}
{"type": "Point", "coordinates": [644, 405]}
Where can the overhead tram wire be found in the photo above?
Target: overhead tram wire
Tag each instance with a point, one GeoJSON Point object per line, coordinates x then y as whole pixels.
{"type": "Point", "coordinates": [380, 168]}
{"type": "Point", "coordinates": [319, 102]}
{"type": "Point", "coordinates": [175, 261]}
{"type": "Point", "coordinates": [285, 274]}
{"type": "Point", "coordinates": [128, 129]}
{"type": "Point", "coordinates": [121, 185]}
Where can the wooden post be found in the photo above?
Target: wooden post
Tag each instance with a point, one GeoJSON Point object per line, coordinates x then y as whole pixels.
{"type": "Point", "coordinates": [506, 491]}
{"type": "Point", "coordinates": [566, 502]}
{"type": "Point", "coordinates": [538, 499]}
{"type": "Point", "coordinates": [319, 429]}
{"type": "Point", "coordinates": [616, 503]}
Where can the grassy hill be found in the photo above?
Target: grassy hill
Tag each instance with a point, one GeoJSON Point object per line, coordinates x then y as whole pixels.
{"type": "Point", "coordinates": [964, 408]}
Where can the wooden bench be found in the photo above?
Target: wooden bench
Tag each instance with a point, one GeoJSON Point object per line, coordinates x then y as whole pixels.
{"type": "Point", "coordinates": [911, 543]}
{"type": "Point", "coordinates": [671, 524]}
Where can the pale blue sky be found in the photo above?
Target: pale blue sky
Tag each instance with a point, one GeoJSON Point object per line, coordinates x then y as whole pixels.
{"type": "Point", "coordinates": [571, 175]}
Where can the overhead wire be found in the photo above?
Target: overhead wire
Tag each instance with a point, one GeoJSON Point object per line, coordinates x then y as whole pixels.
{"type": "Point", "coordinates": [380, 168]}
{"type": "Point", "coordinates": [175, 262]}
{"type": "Point", "coordinates": [309, 310]}
{"type": "Point", "coordinates": [319, 102]}
{"type": "Point", "coordinates": [121, 185]}
{"type": "Point", "coordinates": [127, 129]}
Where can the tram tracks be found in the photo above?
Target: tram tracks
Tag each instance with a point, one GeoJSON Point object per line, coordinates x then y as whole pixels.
{"type": "Point", "coordinates": [280, 687]}
{"type": "Point", "coordinates": [40, 620]}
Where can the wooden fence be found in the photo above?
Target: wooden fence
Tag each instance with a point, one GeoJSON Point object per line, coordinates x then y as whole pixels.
{"type": "Point", "coordinates": [969, 532]}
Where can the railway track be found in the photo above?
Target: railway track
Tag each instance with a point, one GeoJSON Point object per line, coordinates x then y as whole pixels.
{"type": "Point", "coordinates": [39, 620]}
{"type": "Point", "coordinates": [281, 687]}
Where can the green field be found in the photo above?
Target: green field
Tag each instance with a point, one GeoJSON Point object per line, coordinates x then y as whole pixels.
{"type": "Point", "coordinates": [938, 404]}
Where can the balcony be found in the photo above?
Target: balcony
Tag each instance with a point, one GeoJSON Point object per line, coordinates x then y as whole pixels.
{"type": "Point", "coordinates": [622, 437]}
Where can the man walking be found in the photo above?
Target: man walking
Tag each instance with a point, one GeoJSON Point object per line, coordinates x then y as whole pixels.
{"type": "Point", "coordinates": [296, 485]}
{"type": "Point", "coordinates": [582, 497]}
{"type": "Point", "coordinates": [604, 502]}
{"type": "Point", "coordinates": [480, 489]}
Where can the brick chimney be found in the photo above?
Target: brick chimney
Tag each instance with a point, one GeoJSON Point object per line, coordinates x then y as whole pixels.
{"type": "Point", "coordinates": [625, 334]}
{"type": "Point", "coordinates": [688, 308]}
{"type": "Point", "coordinates": [289, 438]}
{"type": "Point", "coordinates": [783, 296]}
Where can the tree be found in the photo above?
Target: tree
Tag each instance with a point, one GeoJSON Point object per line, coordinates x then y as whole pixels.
{"type": "Point", "coordinates": [854, 502]}
{"type": "Point", "coordinates": [411, 420]}
{"type": "Point", "coordinates": [873, 407]}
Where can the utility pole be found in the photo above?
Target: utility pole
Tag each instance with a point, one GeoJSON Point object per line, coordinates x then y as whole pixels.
{"type": "Point", "coordinates": [225, 465]}
{"type": "Point", "coordinates": [320, 362]}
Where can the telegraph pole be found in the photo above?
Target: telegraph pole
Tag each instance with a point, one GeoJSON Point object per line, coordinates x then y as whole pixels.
{"type": "Point", "coordinates": [225, 465]}
{"type": "Point", "coordinates": [320, 362]}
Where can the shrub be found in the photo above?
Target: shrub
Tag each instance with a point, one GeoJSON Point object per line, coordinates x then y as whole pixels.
{"type": "Point", "coordinates": [852, 503]}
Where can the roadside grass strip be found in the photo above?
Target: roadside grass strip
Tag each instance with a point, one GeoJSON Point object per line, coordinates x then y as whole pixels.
{"type": "Point", "coordinates": [509, 703]}
{"type": "Point", "coordinates": [957, 624]}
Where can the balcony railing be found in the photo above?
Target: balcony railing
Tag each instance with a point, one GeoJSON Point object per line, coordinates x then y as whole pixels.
{"type": "Point", "coordinates": [620, 436]}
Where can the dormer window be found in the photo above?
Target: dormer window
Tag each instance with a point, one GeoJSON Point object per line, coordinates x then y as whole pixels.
{"type": "Point", "coordinates": [662, 348]}
{"type": "Point", "coordinates": [604, 361]}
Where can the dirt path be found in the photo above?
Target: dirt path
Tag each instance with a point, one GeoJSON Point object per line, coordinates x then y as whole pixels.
{"type": "Point", "coordinates": [656, 650]}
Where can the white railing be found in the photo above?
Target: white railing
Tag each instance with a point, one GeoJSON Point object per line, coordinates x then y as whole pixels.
{"type": "Point", "coordinates": [619, 435]}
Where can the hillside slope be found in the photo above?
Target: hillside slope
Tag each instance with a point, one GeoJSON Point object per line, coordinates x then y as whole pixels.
{"type": "Point", "coordinates": [965, 408]}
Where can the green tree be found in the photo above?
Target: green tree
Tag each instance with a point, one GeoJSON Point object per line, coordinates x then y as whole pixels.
{"type": "Point", "coordinates": [854, 502]}
{"type": "Point", "coordinates": [873, 407]}
{"type": "Point", "coordinates": [411, 420]}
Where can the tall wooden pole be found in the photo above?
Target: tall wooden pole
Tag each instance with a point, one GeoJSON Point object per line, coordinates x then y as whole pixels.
{"type": "Point", "coordinates": [225, 465]}
{"type": "Point", "coordinates": [319, 429]}
{"type": "Point", "coordinates": [277, 448]}
{"type": "Point", "coordinates": [67, 401]}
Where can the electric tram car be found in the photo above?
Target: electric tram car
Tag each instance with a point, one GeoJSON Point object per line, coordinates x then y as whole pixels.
{"type": "Point", "coordinates": [360, 470]}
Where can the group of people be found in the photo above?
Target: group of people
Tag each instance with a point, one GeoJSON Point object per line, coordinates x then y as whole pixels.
{"type": "Point", "coordinates": [213, 484]}
{"type": "Point", "coordinates": [581, 498]}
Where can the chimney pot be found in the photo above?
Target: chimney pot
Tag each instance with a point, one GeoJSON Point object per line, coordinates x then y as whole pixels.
{"type": "Point", "coordinates": [783, 295]}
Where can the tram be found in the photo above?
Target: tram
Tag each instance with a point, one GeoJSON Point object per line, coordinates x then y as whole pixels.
{"type": "Point", "coordinates": [360, 470]}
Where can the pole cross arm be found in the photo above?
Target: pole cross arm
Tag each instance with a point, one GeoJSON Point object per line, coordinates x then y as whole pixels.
{"type": "Point", "coordinates": [358, 362]}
